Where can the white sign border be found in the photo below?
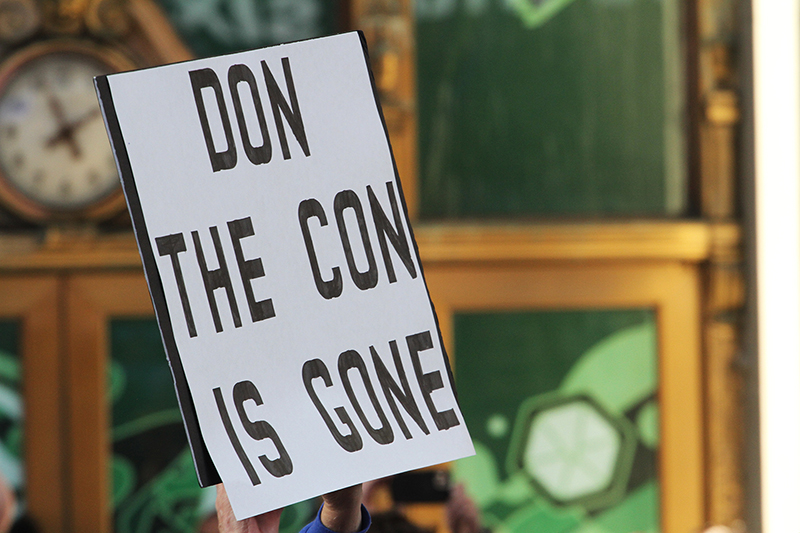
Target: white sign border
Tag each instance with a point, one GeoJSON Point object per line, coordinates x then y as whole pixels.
{"type": "Point", "coordinates": [205, 469]}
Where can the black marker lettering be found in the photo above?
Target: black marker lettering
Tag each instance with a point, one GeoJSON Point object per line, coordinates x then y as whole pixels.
{"type": "Point", "coordinates": [261, 429]}
{"type": "Point", "coordinates": [312, 208]}
{"type": "Point", "coordinates": [236, 75]}
{"type": "Point", "coordinates": [349, 199]}
{"type": "Point", "coordinates": [392, 390]}
{"type": "Point", "coordinates": [237, 446]}
{"type": "Point", "coordinates": [431, 381]}
{"type": "Point", "coordinates": [172, 245]}
{"type": "Point", "coordinates": [279, 105]}
{"type": "Point", "coordinates": [352, 359]}
{"type": "Point", "coordinates": [216, 279]}
{"type": "Point", "coordinates": [396, 235]}
{"type": "Point", "coordinates": [316, 369]}
{"type": "Point", "coordinates": [249, 269]}
{"type": "Point", "coordinates": [207, 78]}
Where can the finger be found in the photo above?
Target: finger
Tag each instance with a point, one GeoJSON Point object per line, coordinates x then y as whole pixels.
{"type": "Point", "coordinates": [268, 522]}
{"type": "Point", "coordinates": [346, 498]}
{"type": "Point", "coordinates": [227, 521]}
{"type": "Point", "coordinates": [264, 523]}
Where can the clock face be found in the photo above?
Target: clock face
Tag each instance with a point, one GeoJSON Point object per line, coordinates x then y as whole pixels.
{"type": "Point", "coordinates": [55, 159]}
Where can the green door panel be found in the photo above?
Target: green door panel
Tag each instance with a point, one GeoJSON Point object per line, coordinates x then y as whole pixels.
{"type": "Point", "coordinates": [550, 108]}
{"type": "Point", "coordinates": [155, 488]}
{"type": "Point", "coordinates": [561, 406]}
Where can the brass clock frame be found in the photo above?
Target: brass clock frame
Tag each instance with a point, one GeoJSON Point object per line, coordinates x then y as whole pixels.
{"type": "Point", "coordinates": [10, 195]}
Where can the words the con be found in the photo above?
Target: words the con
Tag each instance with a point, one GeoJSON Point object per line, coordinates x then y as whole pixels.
{"type": "Point", "coordinates": [328, 280]}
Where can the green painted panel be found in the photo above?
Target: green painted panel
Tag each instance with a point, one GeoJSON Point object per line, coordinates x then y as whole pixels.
{"type": "Point", "coordinates": [11, 409]}
{"type": "Point", "coordinates": [212, 27]}
{"type": "Point", "coordinates": [550, 108]}
{"type": "Point", "coordinates": [561, 406]}
{"type": "Point", "coordinates": [9, 333]}
{"type": "Point", "coordinates": [154, 484]}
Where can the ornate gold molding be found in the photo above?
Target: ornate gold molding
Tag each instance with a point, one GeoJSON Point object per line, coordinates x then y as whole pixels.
{"type": "Point", "coordinates": [724, 282]}
{"type": "Point", "coordinates": [138, 26]}
{"type": "Point", "coordinates": [464, 244]}
{"type": "Point", "coordinates": [691, 242]}
{"type": "Point", "coordinates": [388, 26]}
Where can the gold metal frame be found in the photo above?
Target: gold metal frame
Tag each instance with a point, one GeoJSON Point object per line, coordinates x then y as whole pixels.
{"type": "Point", "coordinates": [388, 26]}
{"type": "Point", "coordinates": [92, 301]}
{"type": "Point", "coordinates": [671, 289]}
{"type": "Point", "coordinates": [657, 265]}
{"type": "Point", "coordinates": [716, 128]}
{"type": "Point", "coordinates": [34, 302]}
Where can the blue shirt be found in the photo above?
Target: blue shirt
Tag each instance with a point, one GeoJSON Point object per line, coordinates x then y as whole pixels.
{"type": "Point", "coordinates": [317, 527]}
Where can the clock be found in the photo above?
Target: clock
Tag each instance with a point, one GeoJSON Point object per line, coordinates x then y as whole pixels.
{"type": "Point", "coordinates": [55, 159]}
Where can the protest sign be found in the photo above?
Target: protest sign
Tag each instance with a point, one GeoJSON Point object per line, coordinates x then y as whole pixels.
{"type": "Point", "coordinates": [282, 266]}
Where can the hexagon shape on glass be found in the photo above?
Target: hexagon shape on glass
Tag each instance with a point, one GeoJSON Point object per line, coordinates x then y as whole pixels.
{"type": "Point", "coordinates": [535, 13]}
{"type": "Point", "coordinates": [572, 450]}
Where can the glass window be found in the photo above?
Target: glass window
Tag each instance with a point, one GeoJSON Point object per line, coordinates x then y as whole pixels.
{"type": "Point", "coordinates": [562, 409]}
{"type": "Point", "coordinates": [212, 28]}
{"type": "Point", "coordinates": [155, 488]}
{"type": "Point", "coordinates": [154, 483]}
{"type": "Point", "coordinates": [11, 409]}
{"type": "Point", "coordinates": [550, 108]}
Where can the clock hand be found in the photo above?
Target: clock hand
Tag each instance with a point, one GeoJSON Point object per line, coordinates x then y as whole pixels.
{"type": "Point", "coordinates": [57, 109]}
{"type": "Point", "coordinates": [83, 119]}
{"type": "Point", "coordinates": [64, 133]}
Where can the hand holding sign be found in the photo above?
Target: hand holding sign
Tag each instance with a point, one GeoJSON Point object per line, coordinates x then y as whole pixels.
{"type": "Point", "coordinates": [268, 522]}
{"type": "Point", "coordinates": [286, 282]}
{"type": "Point", "coordinates": [341, 512]}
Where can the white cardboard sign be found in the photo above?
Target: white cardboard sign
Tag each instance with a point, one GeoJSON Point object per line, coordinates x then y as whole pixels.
{"type": "Point", "coordinates": [286, 282]}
